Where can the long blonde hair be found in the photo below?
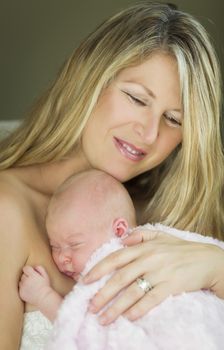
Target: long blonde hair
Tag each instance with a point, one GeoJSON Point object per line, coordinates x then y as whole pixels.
{"type": "Point", "coordinates": [185, 191]}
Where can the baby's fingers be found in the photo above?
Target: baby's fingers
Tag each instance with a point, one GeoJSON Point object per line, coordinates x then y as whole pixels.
{"type": "Point", "coordinates": [41, 270]}
{"type": "Point", "coordinates": [28, 270]}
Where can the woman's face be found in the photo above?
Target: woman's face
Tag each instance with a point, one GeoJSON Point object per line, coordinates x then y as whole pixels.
{"type": "Point", "coordinates": [137, 121]}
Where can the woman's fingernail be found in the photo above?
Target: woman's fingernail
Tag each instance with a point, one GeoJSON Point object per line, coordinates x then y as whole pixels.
{"type": "Point", "coordinates": [103, 320]}
{"type": "Point", "coordinates": [106, 318]}
{"type": "Point", "coordinates": [86, 278]}
{"type": "Point", "coordinates": [91, 308]}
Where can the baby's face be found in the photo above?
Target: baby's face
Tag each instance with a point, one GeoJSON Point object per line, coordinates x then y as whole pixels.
{"type": "Point", "coordinates": [70, 253]}
{"type": "Point", "coordinates": [73, 240]}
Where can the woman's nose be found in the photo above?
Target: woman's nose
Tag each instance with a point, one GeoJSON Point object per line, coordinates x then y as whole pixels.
{"type": "Point", "coordinates": [148, 129]}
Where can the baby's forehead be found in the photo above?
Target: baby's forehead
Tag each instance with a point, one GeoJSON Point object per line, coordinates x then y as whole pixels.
{"type": "Point", "coordinates": [88, 194]}
{"type": "Point", "coordinates": [76, 235]}
{"type": "Point", "coordinates": [68, 237]}
{"type": "Point", "coordinates": [93, 180]}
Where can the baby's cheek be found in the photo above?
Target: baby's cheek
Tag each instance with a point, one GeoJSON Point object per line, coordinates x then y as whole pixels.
{"type": "Point", "coordinates": [57, 262]}
{"type": "Point", "coordinates": [80, 262]}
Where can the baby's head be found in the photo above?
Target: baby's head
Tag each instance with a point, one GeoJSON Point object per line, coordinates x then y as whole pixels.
{"type": "Point", "coordinates": [86, 210]}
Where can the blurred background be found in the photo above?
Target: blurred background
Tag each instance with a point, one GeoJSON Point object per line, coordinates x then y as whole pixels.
{"type": "Point", "coordinates": [38, 35]}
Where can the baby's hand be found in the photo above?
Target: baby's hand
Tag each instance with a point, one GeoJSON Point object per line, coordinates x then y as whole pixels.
{"type": "Point", "coordinates": [34, 285]}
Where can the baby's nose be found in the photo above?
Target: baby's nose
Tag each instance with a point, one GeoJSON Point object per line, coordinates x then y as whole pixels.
{"type": "Point", "coordinates": [65, 256]}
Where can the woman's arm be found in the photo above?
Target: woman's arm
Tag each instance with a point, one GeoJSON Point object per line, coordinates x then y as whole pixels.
{"type": "Point", "coordinates": [13, 254]}
{"type": "Point", "coordinates": [170, 264]}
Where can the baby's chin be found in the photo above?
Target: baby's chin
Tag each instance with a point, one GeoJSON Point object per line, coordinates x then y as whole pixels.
{"type": "Point", "coordinates": [77, 276]}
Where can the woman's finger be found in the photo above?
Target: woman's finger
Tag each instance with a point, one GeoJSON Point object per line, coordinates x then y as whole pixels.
{"type": "Point", "coordinates": [111, 263]}
{"type": "Point", "coordinates": [135, 301]}
{"type": "Point", "coordinates": [126, 255]}
{"type": "Point", "coordinates": [131, 296]}
{"type": "Point", "coordinates": [121, 279]}
{"type": "Point", "coordinates": [151, 299]}
{"type": "Point", "coordinates": [133, 238]}
{"type": "Point", "coordinates": [139, 236]}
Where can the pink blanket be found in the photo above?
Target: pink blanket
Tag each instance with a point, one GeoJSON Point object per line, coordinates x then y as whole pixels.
{"type": "Point", "coordinates": [190, 321]}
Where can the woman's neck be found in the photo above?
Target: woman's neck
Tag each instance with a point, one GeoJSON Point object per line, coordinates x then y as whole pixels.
{"type": "Point", "coordinates": [45, 178]}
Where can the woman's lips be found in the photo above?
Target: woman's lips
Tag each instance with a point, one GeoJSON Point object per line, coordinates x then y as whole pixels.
{"type": "Point", "coordinates": [129, 150]}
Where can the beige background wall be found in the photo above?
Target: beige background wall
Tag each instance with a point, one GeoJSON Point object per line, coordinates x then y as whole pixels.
{"type": "Point", "coordinates": [37, 35]}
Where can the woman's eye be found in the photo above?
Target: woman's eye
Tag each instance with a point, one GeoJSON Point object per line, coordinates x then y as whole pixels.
{"type": "Point", "coordinates": [173, 121]}
{"type": "Point", "coordinates": [135, 99]}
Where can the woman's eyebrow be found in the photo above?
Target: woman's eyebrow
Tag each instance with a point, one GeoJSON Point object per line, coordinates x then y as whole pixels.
{"type": "Point", "coordinates": [147, 90]}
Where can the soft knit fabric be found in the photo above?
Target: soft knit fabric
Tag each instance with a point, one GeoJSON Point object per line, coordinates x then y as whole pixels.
{"type": "Point", "coordinates": [36, 330]}
{"type": "Point", "coordinates": [190, 321]}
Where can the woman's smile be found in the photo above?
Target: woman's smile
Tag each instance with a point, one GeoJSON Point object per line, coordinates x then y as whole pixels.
{"type": "Point", "coordinates": [128, 150]}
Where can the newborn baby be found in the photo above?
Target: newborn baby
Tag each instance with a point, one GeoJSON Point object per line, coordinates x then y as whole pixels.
{"type": "Point", "coordinates": [86, 217]}
{"type": "Point", "coordinates": [86, 211]}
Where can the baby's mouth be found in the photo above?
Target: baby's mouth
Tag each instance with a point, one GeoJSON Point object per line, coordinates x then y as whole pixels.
{"type": "Point", "coordinates": [73, 274]}
{"type": "Point", "coordinates": [69, 273]}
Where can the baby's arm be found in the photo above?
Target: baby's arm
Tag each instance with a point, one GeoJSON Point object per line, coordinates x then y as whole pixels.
{"type": "Point", "coordinates": [35, 288]}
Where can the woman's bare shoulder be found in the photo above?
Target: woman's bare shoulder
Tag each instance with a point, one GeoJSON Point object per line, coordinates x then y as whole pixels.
{"type": "Point", "coordinates": [13, 208]}
{"type": "Point", "coordinates": [12, 195]}
{"type": "Point", "coordinates": [16, 210]}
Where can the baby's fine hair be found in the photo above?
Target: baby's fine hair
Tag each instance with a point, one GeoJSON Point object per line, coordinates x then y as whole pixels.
{"type": "Point", "coordinates": [107, 197]}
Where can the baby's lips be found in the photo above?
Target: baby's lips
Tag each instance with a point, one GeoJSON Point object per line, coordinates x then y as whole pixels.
{"type": "Point", "coordinates": [69, 273]}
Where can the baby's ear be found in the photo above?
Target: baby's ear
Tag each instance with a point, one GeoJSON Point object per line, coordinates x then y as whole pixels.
{"type": "Point", "coordinates": [120, 227]}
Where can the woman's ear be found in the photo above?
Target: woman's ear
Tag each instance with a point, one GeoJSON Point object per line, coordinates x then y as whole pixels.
{"type": "Point", "coordinates": [120, 227]}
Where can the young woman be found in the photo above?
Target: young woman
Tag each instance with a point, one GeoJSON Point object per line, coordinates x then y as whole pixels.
{"type": "Point", "coordinates": [139, 99]}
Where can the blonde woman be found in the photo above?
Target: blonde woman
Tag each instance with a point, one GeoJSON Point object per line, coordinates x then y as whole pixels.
{"type": "Point", "coordinates": [140, 100]}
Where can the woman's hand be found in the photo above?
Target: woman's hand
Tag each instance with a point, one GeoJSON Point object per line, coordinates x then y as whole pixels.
{"type": "Point", "coordinates": [170, 264]}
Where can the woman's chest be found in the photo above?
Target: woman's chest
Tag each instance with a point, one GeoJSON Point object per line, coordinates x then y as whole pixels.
{"type": "Point", "coordinates": [40, 254]}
